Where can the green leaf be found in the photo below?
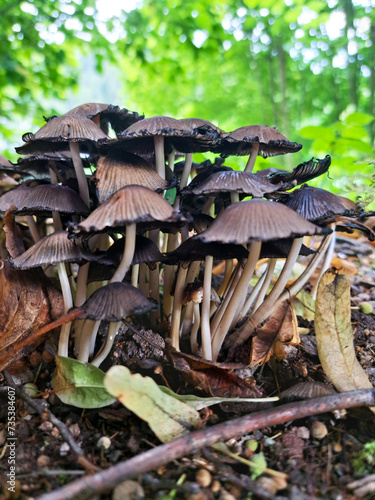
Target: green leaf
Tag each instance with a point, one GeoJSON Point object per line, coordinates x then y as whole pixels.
{"type": "Point", "coordinates": [358, 119]}
{"type": "Point", "coordinates": [168, 417]}
{"type": "Point", "coordinates": [198, 403]}
{"type": "Point", "coordinates": [80, 384]}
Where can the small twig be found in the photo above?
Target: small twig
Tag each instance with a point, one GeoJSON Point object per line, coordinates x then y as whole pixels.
{"type": "Point", "coordinates": [190, 443]}
{"type": "Point", "coordinates": [42, 408]}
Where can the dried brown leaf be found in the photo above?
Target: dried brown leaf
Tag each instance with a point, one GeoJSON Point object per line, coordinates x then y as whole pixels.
{"type": "Point", "coordinates": [334, 334]}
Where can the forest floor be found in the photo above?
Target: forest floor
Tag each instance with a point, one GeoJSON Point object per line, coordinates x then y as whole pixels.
{"type": "Point", "coordinates": [318, 457]}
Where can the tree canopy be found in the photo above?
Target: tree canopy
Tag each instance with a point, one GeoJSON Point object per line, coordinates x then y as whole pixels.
{"type": "Point", "coordinates": [305, 66]}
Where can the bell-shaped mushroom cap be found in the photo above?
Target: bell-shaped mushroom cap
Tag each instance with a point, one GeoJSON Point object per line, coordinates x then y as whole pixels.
{"type": "Point", "coordinates": [193, 292]}
{"type": "Point", "coordinates": [129, 205]}
{"type": "Point", "coordinates": [52, 249]}
{"type": "Point", "coordinates": [38, 165]}
{"type": "Point", "coordinates": [257, 220]}
{"type": "Point", "coordinates": [302, 173]}
{"type": "Point", "coordinates": [62, 130]}
{"type": "Point", "coordinates": [115, 171]}
{"type": "Point", "coordinates": [47, 198]}
{"type": "Point", "coordinates": [200, 135]}
{"type": "Point", "coordinates": [201, 125]}
{"type": "Point", "coordinates": [116, 301]}
{"type": "Point", "coordinates": [237, 182]}
{"type": "Point", "coordinates": [120, 119]}
{"type": "Point", "coordinates": [315, 203]}
{"type": "Point", "coordinates": [195, 248]}
{"type": "Point", "coordinates": [271, 142]}
{"type": "Point", "coordinates": [15, 197]}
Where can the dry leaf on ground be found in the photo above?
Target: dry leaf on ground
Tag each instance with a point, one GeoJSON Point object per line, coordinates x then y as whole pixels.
{"type": "Point", "coordinates": [334, 334]}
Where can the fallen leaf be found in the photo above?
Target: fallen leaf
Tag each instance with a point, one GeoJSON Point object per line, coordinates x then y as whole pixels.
{"type": "Point", "coordinates": [14, 240]}
{"type": "Point", "coordinates": [334, 334]}
{"type": "Point", "coordinates": [28, 301]}
{"type": "Point", "coordinates": [168, 417]}
{"type": "Point", "coordinates": [199, 403]}
{"type": "Point", "coordinates": [281, 328]}
{"type": "Point", "coordinates": [213, 378]}
{"type": "Point", "coordinates": [80, 384]}
{"type": "Point", "coordinates": [346, 265]}
{"type": "Point", "coordinates": [304, 305]}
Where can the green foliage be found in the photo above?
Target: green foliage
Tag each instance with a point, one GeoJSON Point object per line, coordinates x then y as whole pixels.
{"type": "Point", "coordinates": [364, 462]}
{"type": "Point", "coordinates": [80, 384]}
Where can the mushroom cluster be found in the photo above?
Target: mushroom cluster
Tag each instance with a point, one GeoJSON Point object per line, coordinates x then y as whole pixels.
{"type": "Point", "coordinates": [127, 233]}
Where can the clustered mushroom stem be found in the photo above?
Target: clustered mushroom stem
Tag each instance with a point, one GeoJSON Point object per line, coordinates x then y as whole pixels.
{"type": "Point", "coordinates": [169, 272]}
{"type": "Point", "coordinates": [171, 158]}
{"type": "Point", "coordinates": [68, 303]}
{"type": "Point", "coordinates": [142, 279]}
{"type": "Point", "coordinates": [284, 275]}
{"type": "Point", "coordinates": [327, 260]}
{"type": "Point", "coordinates": [227, 296]}
{"type": "Point", "coordinates": [253, 294]}
{"type": "Point", "coordinates": [107, 346]}
{"type": "Point", "coordinates": [195, 328]}
{"type": "Point", "coordinates": [33, 228]}
{"type": "Point", "coordinates": [87, 339]}
{"type": "Point", "coordinates": [187, 319]}
{"type": "Point", "coordinates": [83, 187]}
{"type": "Point", "coordinates": [159, 155]}
{"type": "Point", "coordinates": [234, 197]}
{"type": "Point", "coordinates": [262, 292]}
{"type": "Point", "coordinates": [135, 274]}
{"type": "Point", "coordinates": [184, 178]}
{"type": "Point", "coordinates": [57, 224]}
{"type": "Point", "coordinates": [253, 156]}
{"type": "Point", "coordinates": [264, 312]}
{"type": "Point", "coordinates": [82, 276]}
{"type": "Point", "coordinates": [206, 302]}
{"type": "Point", "coordinates": [227, 275]}
{"type": "Point", "coordinates": [124, 266]}
{"type": "Point", "coordinates": [237, 297]}
{"type": "Point", "coordinates": [177, 306]}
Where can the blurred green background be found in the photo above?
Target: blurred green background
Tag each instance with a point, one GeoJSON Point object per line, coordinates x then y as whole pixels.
{"type": "Point", "coordinates": [304, 66]}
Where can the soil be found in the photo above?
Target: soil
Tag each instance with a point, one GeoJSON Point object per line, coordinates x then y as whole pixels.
{"type": "Point", "coordinates": [321, 456]}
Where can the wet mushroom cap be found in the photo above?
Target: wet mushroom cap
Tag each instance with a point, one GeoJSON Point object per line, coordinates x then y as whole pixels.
{"type": "Point", "coordinates": [47, 198]}
{"type": "Point", "coordinates": [257, 220]}
{"type": "Point", "coordinates": [131, 204]}
{"type": "Point", "coordinates": [50, 250]}
{"type": "Point", "coordinates": [114, 302]}
{"type": "Point", "coordinates": [237, 182]}
{"type": "Point", "coordinates": [315, 203]}
{"type": "Point", "coordinates": [14, 197]}
{"type": "Point", "coordinates": [115, 171]}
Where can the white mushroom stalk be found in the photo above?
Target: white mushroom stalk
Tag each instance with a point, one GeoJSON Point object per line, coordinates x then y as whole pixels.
{"type": "Point", "coordinates": [267, 281]}
{"type": "Point", "coordinates": [107, 346]}
{"type": "Point", "coordinates": [80, 173]}
{"type": "Point", "coordinates": [159, 155]}
{"type": "Point", "coordinates": [129, 249]}
{"type": "Point", "coordinates": [68, 303]}
{"type": "Point", "coordinates": [206, 302]}
{"type": "Point", "coordinates": [194, 331]}
{"type": "Point", "coordinates": [253, 156]}
{"type": "Point", "coordinates": [237, 297]}
{"type": "Point", "coordinates": [327, 260]}
{"type": "Point", "coordinates": [177, 306]}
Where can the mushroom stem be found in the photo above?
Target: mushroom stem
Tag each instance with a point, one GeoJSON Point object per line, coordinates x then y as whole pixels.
{"type": "Point", "coordinates": [253, 156]}
{"type": "Point", "coordinates": [135, 274]}
{"type": "Point", "coordinates": [33, 228]}
{"type": "Point", "coordinates": [187, 319]}
{"type": "Point", "coordinates": [87, 339]}
{"type": "Point", "coordinates": [107, 346]}
{"type": "Point", "coordinates": [284, 276]}
{"type": "Point", "coordinates": [82, 275]}
{"type": "Point", "coordinates": [68, 303]}
{"type": "Point", "coordinates": [142, 279]}
{"type": "Point", "coordinates": [83, 187]}
{"type": "Point", "coordinates": [194, 331]}
{"type": "Point", "coordinates": [206, 302]}
{"type": "Point", "coordinates": [124, 266]}
{"type": "Point", "coordinates": [227, 275]}
{"type": "Point", "coordinates": [57, 224]}
{"type": "Point", "coordinates": [234, 197]}
{"type": "Point", "coordinates": [159, 155]}
{"type": "Point", "coordinates": [262, 293]}
{"type": "Point", "coordinates": [327, 261]}
{"type": "Point", "coordinates": [253, 294]}
{"type": "Point", "coordinates": [177, 306]}
{"type": "Point", "coordinates": [169, 273]}
{"type": "Point", "coordinates": [171, 159]}
{"type": "Point", "coordinates": [263, 312]}
{"type": "Point", "coordinates": [237, 296]}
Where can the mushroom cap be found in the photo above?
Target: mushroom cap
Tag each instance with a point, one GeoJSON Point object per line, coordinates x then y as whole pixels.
{"type": "Point", "coordinates": [62, 130]}
{"type": "Point", "coordinates": [193, 292]}
{"type": "Point", "coordinates": [315, 203]}
{"type": "Point", "coordinates": [15, 196]}
{"type": "Point", "coordinates": [237, 182]}
{"type": "Point", "coordinates": [195, 248]}
{"type": "Point", "coordinates": [113, 172]}
{"type": "Point", "coordinates": [257, 220]}
{"type": "Point", "coordinates": [302, 173]}
{"type": "Point", "coordinates": [279, 249]}
{"type": "Point", "coordinates": [115, 301]}
{"type": "Point", "coordinates": [156, 125]}
{"type": "Point", "coordinates": [271, 142]}
{"type": "Point", "coordinates": [129, 205]}
{"type": "Point", "coordinates": [47, 198]}
{"type": "Point", "coordinates": [52, 249]}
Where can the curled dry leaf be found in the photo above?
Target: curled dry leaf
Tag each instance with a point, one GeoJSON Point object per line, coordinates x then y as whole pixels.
{"type": "Point", "coordinates": [334, 334]}
{"type": "Point", "coordinates": [281, 328]}
{"type": "Point", "coordinates": [28, 301]}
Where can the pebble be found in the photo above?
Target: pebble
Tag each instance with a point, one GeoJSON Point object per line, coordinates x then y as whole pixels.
{"type": "Point", "coordinates": [203, 478]}
{"type": "Point", "coordinates": [318, 430]}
